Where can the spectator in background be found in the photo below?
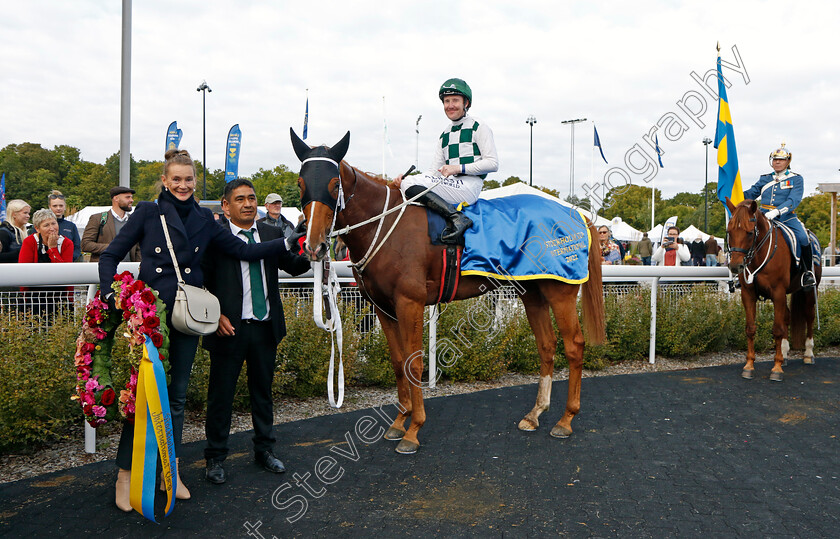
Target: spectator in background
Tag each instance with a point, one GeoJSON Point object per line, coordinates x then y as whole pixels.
{"type": "Point", "coordinates": [671, 252]}
{"type": "Point", "coordinates": [273, 205]}
{"type": "Point", "coordinates": [104, 227]}
{"type": "Point", "coordinates": [698, 251]}
{"type": "Point", "coordinates": [66, 228]}
{"type": "Point", "coordinates": [13, 230]}
{"type": "Point", "coordinates": [645, 249]}
{"type": "Point", "coordinates": [46, 245]}
{"type": "Point", "coordinates": [711, 249]}
{"type": "Point", "coordinates": [610, 252]}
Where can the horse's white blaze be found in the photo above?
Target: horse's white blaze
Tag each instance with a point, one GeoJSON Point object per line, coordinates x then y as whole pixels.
{"type": "Point", "coordinates": [544, 393]}
{"type": "Point", "coordinates": [785, 348]}
{"type": "Point", "coordinates": [809, 351]}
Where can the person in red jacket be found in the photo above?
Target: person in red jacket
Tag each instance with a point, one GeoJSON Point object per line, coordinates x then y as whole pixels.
{"type": "Point", "coordinates": [47, 245]}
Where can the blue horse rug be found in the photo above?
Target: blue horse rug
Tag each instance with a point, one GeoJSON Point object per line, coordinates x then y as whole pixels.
{"type": "Point", "coordinates": [523, 237]}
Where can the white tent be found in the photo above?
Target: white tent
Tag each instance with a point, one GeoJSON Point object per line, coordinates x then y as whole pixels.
{"type": "Point", "coordinates": [520, 188]}
{"type": "Point", "coordinates": [624, 232]}
{"type": "Point", "coordinates": [692, 232]}
{"type": "Point", "coordinates": [655, 234]}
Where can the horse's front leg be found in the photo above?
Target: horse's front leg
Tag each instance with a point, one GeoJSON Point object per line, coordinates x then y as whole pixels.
{"type": "Point", "coordinates": [392, 334]}
{"type": "Point", "coordinates": [780, 333]}
{"type": "Point", "coordinates": [748, 299]}
{"type": "Point", "coordinates": [536, 308]}
{"type": "Point", "coordinates": [410, 316]}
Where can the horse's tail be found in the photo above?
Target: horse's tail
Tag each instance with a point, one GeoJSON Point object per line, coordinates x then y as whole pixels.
{"type": "Point", "coordinates": [594, 319]}
{"type": "Point", "coordinates": [798, 319]}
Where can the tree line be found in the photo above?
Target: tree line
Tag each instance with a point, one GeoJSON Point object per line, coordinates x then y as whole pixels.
{"type": "Point", "coordinates": [33, 171]}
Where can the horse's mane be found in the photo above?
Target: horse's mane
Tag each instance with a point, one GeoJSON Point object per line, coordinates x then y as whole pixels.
{"type": "Point", "coordinates": [369, 175]}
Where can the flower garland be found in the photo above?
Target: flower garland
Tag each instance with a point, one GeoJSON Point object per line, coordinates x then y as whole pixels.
{"type": "Point", "coordinates": [143, 312]}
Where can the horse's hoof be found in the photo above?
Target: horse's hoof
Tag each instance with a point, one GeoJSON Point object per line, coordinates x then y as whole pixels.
{"type": "Point", "coordinates": [394, 434]}
{"type": "Point", "coordinates": [559, 431]}
{"type": "Point", "coordinates": [747, 374]}
{"type": "Point", "coordinates": [776, 376]}
{"type": "Point", "coordinates": [808, 360]}
{"type": "Point", "coordinates": [406, 447]}
{"type": "Point", "coordinates": [527, 425]}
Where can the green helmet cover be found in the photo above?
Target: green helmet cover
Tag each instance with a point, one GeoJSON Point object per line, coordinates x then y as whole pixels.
{"type": "Point", "coordinates": [455, 87]}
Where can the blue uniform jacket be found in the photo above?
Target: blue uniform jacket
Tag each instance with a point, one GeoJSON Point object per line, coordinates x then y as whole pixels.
{"type": "Point", "coordinates": [785, 196]}
{"type": "Point", "coordinates": [189, 240]}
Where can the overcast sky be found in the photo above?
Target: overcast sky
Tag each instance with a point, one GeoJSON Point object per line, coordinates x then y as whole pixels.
{"type": "Point", "coordinates": [625, 65]}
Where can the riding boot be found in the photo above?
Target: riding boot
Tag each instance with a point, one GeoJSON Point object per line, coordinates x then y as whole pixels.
{"type": "Point", "coordinates": [808, 279]}
{"type": "Point", "coordinates": [457, 222]}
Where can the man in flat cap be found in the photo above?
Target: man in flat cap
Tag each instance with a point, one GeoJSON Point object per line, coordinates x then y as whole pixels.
{"type": "Point", "coordinates": [273, 205]}
{"type": "Point", "coordinates": [104, 227]}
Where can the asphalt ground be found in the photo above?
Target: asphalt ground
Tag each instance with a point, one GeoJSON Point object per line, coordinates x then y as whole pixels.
{"type": "Point", "coordinates": [700, 453]}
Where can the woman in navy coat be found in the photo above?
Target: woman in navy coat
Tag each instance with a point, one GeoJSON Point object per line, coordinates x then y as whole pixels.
{"type": "Point", "coordinates": [192, 229]}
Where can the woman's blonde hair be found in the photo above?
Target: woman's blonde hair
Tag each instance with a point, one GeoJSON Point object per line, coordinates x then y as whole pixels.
{"type": "Point", "coordinates": [12, 207]}
{"type": "Point", "coordinates": [177, 157]}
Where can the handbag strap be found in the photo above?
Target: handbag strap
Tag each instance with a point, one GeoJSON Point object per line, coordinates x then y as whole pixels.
{"type": "Point", "coordinates": [171, 250]}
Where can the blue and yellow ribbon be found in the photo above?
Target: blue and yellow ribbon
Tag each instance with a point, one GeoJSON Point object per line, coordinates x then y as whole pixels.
{"type": "Point", "coordinates": [152, 408]}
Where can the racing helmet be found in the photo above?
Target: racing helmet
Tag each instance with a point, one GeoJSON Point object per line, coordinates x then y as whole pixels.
{"type": "Point", "coordinates": [456, 87]}
{"type": "Point", "coordinates": [781, 153]}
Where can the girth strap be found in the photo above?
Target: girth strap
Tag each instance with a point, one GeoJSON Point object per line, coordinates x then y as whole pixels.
{"type": "Point", "coordinates": [450, 273]}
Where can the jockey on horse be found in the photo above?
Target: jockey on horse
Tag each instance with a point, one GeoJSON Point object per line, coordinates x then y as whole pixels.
{"type": "Point", "coordinates": [466, 153]}
{"type": "Point", "coordinates": [779, 194]}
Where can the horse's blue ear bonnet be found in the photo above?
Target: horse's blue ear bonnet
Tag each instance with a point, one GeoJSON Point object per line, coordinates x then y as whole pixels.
{"type": "Point", "coordinates": [319, 165]}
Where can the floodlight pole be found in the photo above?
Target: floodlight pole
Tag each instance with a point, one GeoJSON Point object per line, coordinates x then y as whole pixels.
{"type": "Point", "coordinates": [572, 160]}
{"type": "Point", "coordinates": [203, 88]}
{"type": "Point", "coordinates": [706, 142]}
{"type": "Point", "coordinates": [531, 120]}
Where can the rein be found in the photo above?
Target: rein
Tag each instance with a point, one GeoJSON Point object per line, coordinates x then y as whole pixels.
{"type": "Point", "coordinates": [749, 254]}
{"type": "Point", "coordinates": [375, 244]}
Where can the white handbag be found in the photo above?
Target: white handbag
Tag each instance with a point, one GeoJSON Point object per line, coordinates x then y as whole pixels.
{"type": "Point", "coordinates": [195, 311]}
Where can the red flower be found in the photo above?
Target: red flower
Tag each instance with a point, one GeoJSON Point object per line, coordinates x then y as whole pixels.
{"type": "Point", "coordinates": [151, 322]}
{"type": "Point", "coordinates": [157, 339]}
{"type": "Point", "coordinates": [87, 409]}
{"type": "Point", "coordinates": [88, 348]}
{"type": "Point", "coordinates": [147, 296]}
{"type": "Point", "coordinates": [108, 397]}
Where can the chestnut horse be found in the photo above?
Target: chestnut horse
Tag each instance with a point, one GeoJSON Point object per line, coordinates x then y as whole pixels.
{"type": "Point", "coordinates": [399, 271]}
{"type": "Point", "coordinates": [758, 250]}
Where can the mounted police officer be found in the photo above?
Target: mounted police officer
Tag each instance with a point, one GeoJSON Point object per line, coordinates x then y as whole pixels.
{"type": "Point", "coordinates": [465, 154]}
{"type": "Point", "coordinates": [779, 194]}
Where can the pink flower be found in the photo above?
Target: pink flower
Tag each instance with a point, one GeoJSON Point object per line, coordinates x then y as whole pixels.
{"type": "Point", "coordinates": [92, 384]}
{"type": "Point", "coordinates": [99, 411]}
{"type": "Point", "coordinates": [99, 333]}
{"type": "Point", "coordinates": [88, 399]}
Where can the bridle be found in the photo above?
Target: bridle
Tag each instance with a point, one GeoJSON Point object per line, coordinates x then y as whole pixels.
{"type": "Point", "coordinates": [341, 204]}
{"type": "Point", "coordinates": [755, 247]}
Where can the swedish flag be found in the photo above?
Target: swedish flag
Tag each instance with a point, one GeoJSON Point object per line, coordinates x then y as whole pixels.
{"type": "Point", "coordinates": [729, 176]}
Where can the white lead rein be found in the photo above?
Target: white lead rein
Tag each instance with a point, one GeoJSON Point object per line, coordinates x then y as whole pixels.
{"type": "Point", "coordinates": [330, 289]}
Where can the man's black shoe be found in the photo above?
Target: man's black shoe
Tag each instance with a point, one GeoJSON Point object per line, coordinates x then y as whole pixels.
{"type": "Point", "coordinates": [214, 472]}
{"type": "Point", "coordinates": [267, 460]}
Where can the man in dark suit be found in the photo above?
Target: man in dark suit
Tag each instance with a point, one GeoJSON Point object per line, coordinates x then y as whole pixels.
{"type": "Point", "coordinates": [250, 328]}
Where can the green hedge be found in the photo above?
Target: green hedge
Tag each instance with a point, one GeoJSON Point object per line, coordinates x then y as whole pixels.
{"type": "Point", "coordinates": [37, 377]}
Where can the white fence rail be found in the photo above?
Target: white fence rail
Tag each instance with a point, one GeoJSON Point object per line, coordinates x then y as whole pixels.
{"type": "Point", "coordinates": [81, 274]}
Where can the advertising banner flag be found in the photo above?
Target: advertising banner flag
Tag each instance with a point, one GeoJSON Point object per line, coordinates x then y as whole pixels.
{"type": "Point", "coordinates": [3, 197]}
{"type": "Point", "coordinates": [232, 157]}
{"type": "Point", "coordinates": [173, 137]}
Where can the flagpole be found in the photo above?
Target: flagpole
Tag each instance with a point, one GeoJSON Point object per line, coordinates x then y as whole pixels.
{"type": "Point", "coordinates": [384, 136]}
{"type": "Point", "coordinates": [592, 172]}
